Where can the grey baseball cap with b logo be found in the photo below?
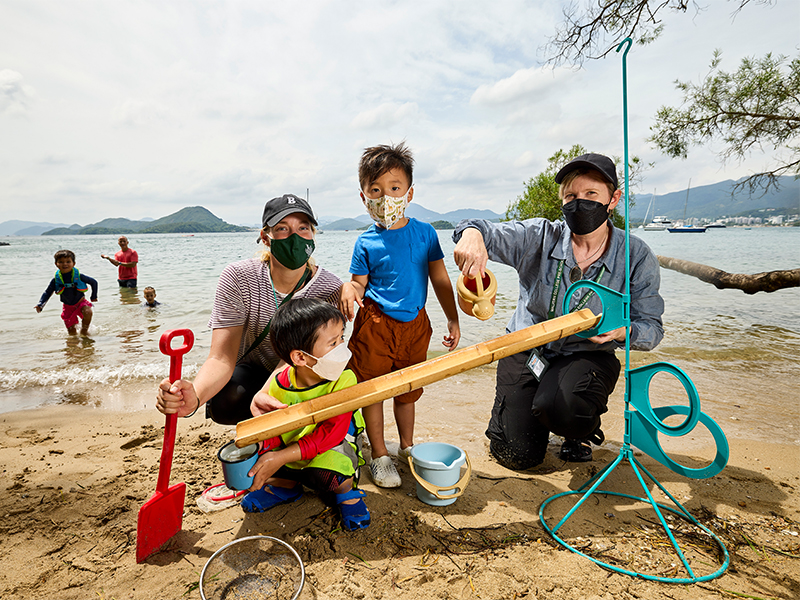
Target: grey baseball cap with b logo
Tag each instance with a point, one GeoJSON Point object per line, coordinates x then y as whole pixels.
{"type": "Point", "coordinates": [278, 208]}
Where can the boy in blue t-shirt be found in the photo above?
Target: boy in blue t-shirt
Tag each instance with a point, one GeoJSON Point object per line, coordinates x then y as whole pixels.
{"type": "Point", "coordinates": [392, 262]}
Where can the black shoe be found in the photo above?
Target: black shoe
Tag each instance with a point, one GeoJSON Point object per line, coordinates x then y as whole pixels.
{"type": "Point", "coordinates": [597, 437]}
{"type": "Point", "coordinates": [575, 451]}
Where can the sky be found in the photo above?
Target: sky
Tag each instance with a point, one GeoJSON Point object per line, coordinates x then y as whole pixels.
{"type": "Point", "coordinates": [139, 108]}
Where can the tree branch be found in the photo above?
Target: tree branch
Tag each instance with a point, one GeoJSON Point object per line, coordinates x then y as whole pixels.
{"type": "Point", "coordinates": [769, 281]}
{"type": "Point", "coordinates": [748, 110]}
{"type": "Point", "coordinates": [765, 180]}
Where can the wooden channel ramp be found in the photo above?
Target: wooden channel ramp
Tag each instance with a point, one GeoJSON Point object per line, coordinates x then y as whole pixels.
{"type": "Point", "coordinates": [411, 378]}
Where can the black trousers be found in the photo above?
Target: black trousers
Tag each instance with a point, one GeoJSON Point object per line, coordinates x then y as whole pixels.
{"type": "Point", "coordinates": [568, 401]}
{"type": "Point", "coordinates": [232, 403]}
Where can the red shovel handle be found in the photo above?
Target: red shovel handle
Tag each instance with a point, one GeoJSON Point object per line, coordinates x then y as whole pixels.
{"type": "Point", "coordinates": [175, 362]}
{"type": "Point", "coordinates": [175, 354]}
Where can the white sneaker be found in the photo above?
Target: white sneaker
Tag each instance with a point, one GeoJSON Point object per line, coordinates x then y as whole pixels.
{"type": "Point", "coordinates": [384, 473]}
{"type": "Point", "coordinates": [404, 453]}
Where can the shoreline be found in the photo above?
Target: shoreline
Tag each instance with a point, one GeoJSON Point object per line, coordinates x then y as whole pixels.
{"type": "Point", "coordinates": [747, 400]}
{"type": "Point", "coordinates": [76, 476]}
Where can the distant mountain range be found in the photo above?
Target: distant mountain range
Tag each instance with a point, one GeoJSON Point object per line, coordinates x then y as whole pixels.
{"type": "Point", "coordinates": [715, 201]}
{"type": "Point", "coordinates": [192, 219]}
{"type": "Point", "coordinates": [27, 227]}
{"type": "Point", "coordinates": [708, 201]}
{"type": "Point", "coordinates": [417, 211]}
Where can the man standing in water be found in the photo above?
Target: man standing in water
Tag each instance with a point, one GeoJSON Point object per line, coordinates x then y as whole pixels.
{"type": "Point", "coordinates": [126, 259]}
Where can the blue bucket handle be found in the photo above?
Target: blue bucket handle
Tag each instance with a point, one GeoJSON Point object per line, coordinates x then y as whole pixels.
{"type": "Point", "coordinates": [436, 490]}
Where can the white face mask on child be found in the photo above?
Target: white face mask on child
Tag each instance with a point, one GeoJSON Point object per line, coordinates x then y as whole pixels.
{"type": "Point", "coordinates": [386, 210]}
{"type": "Point", "coordinates": [331, 365]}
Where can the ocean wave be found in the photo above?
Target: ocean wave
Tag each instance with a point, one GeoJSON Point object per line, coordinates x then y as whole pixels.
{"type": "Point", "coordinates": [107, 375]}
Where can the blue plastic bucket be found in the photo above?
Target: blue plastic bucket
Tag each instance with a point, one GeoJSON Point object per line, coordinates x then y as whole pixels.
{"type": "Point", "coordinates": [236, 463]}
{"type": "Point", "coordinates": [437, 468]}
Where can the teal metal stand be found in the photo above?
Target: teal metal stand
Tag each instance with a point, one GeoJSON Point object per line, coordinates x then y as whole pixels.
{"type": "Point", "coordinates": [643, 423]}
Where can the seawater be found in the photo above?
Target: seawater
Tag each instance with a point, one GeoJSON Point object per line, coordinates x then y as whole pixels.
{"type": "Point", "coordinates": [752, 338]}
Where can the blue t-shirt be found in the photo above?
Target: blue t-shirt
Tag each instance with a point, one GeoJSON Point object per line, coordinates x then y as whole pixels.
{"type": "Point", "coordinates": [396, 261]}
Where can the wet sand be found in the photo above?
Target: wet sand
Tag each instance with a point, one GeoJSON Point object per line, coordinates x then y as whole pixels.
{"type": "Point", "coordinates": [76, 476]}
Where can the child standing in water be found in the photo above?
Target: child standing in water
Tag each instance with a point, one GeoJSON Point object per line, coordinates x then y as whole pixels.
{"type": "Point", "coordinates": [71, 285]}
{"type": "Point", "coordinates": [392, 262]}
{"type": "Point", "coordinates": [308, 335]}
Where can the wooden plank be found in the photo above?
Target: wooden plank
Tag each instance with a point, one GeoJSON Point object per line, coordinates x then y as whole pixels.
{"type": "Point", "coordinates": [411, 378]}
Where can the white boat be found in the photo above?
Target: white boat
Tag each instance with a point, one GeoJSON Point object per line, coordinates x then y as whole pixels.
{"type": "Point", "coordinates": [658, 223]}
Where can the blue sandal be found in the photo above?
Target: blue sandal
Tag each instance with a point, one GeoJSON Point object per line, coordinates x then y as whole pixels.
{"type": "Point", "coordinates": [268, 497]}
{"type": "Point", "coordinates": [354, 516]}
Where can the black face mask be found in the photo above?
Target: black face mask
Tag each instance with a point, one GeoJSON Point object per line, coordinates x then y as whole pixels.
{"type": "Point", "coordinates": [584, 216]}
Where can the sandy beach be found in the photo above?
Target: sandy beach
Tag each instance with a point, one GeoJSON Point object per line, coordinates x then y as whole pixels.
{"type": "Point", "coordinates": [75, 478]}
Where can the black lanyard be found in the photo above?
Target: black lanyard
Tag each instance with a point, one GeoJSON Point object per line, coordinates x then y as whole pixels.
{"type": "Point", "coordinates": [551, 313]}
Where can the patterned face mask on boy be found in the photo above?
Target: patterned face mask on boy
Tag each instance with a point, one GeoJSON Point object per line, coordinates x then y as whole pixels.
{"type": "Point", "coordinates": [386, 210]}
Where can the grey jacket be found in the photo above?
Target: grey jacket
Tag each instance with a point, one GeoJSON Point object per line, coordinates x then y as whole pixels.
{"type": "Point", "coordinates": [534, 248]}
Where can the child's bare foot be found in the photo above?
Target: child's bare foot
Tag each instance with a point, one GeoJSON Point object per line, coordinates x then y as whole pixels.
{"type": "Point", "coordinates": [85, 331]}
{"type": "Point", "coordinates": [72, 330]}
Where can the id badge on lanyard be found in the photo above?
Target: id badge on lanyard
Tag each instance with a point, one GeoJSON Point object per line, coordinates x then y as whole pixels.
{"type": "Point", "coordinates": [536, 364]}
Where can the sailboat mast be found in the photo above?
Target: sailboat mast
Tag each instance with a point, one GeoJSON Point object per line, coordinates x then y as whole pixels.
{"type": "Point", "coordinates": [686, 203]}
{"type": "Point", "coordinates": [647, 212]}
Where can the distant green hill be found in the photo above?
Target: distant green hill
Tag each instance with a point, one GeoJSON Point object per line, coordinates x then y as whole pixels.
{"type": "Point", "coordinates": [442, 225]}
{"type": "Point", "coordinates": [120, 223]}
{"type": "Point", "coordinates": [192, 219]}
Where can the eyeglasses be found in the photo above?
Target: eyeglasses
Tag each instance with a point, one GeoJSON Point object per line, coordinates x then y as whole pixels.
{"type": "Point", "coordinates": [575, 274]}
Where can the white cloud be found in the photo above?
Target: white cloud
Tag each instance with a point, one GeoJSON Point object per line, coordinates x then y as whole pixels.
{"type": "Point", "coordinates": [147, 107]}
{"type": "Point", "coordinates": [15, 96]}
{"type": "Point", "coordinates": [386, 115]}
{"type": "Point", "coordinates": [139, 113]}
{"type": "Point", "coordinates": [526, 85]}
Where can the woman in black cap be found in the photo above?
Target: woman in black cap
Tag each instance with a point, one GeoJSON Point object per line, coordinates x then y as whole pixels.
{"type": "Point", "coordinates": [249, 292]}
{"type": "Point", "coordinates": [563, 387]}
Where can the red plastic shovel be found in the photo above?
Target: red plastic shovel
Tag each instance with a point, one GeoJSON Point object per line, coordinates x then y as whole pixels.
{"type": "Point", "coordinates": [161, 517]}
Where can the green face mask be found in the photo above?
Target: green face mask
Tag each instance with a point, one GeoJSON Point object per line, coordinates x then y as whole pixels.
{"type": "Point", "coordinates": [292, 252]}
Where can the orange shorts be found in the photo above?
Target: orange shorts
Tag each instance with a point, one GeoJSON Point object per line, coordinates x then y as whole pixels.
{"type": "Point", "coordinates": [381, 344]}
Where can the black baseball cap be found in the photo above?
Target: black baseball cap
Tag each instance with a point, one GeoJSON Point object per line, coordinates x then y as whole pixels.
{"type": "Point", "coordinates": [598, 162]}
{"type": "Point", "coordinates": [277, 208]}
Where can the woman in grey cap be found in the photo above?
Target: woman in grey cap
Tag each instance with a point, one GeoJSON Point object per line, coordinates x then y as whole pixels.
{"type": "Point", "coordinates": [241, 359]}
{"type": "Point", "coordinates": [569, 395]}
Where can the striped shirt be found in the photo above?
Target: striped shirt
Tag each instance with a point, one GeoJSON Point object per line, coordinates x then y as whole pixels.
{"type": "Point", "coordinates": [245, 297]}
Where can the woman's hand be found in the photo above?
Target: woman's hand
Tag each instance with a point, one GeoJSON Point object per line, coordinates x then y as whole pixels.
{"type": "Point", "coordinates": [178, 397]}
{"type": "Point", "coordinates": [263, 403]}
{"type": "Point", "coordinates": [470, 253]}
{"type": "Point", "coordinates": [615, 335]}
